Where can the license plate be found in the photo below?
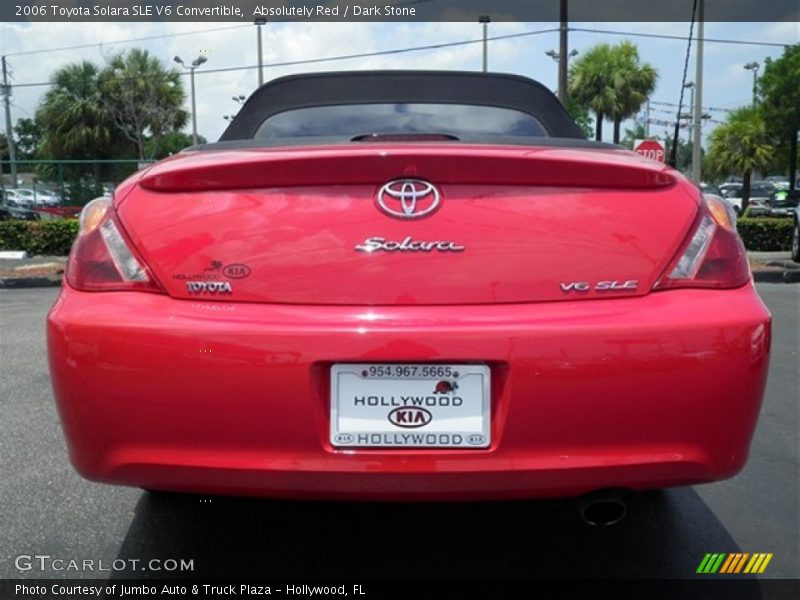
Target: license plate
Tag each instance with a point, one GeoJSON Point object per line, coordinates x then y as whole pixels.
{"type": "Point", "coordinates": [410, 406]}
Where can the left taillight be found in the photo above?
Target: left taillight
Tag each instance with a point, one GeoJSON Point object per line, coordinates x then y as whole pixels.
{"type": "Point", "coordinates": [102, 258]}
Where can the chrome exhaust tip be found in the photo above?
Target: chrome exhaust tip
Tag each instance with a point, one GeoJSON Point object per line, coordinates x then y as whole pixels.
{"type": "Point", "coordinates": [602, 508]}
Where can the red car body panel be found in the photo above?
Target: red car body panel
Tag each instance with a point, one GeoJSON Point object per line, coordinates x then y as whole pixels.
{"type": "Point", "coordinates": [625, 341]}
{"type": "Point", "coordinates": [233, 397]}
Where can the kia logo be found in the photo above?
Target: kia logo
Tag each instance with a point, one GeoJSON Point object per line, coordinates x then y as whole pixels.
{"type": "Point", "coordinates": [410, 417]}
{"type": "Point", "coordinates": [408, 198]}
{"type": "Point", "coordinates": [236, 271]}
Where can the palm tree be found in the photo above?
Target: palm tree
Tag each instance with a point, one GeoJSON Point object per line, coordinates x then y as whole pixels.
{"type": "Point", "coordinates": [612, 82]}
{"type": "Point", "coordinates": [633, 82]}
{"type": "Point", "coordinates": [143, 96]}
{"type": "Point", "coordinates": [590, 84]}
{"type": "Point", "coordinates": [631, 135]}
{"type": "Point", "coordinates": [72, 117]}
{"type": "Point", "coordinates": [741, 146]}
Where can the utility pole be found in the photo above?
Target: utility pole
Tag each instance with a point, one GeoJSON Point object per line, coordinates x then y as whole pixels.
{"type": "Point", "coordinates": [698, 98]}
{"type": "Point", "coordinates": [260, 21]}
{"type": "Point", "coordinates": [485, 20]}
{"type": "Point", "coordinates": [647, 119]}
{"type": "Point", "coordinates": [12, 158]}
{"type": "Point", "coordinates": [563, 53]}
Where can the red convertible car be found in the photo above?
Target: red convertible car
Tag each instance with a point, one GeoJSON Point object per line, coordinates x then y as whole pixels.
{"type": "Point", "coordinates": [407, 285]}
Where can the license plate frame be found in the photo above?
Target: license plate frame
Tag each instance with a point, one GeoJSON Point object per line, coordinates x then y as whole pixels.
{"type": "Point", "coordinates": [410, 405]}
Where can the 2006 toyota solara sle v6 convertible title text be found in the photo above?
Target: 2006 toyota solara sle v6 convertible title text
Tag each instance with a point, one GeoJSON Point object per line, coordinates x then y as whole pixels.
{"type": "Point", "coordinates": [407, 285]}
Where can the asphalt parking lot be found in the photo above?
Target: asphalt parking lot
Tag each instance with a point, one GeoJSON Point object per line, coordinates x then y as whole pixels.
{"type": "Point", "coordinates": [47, 509]}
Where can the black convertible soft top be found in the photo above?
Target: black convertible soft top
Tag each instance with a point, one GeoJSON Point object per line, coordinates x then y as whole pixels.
{"type": "Point", "coordinates": [433, 87]}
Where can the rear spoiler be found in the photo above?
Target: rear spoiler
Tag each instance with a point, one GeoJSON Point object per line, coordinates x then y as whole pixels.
{"type": "Point", "coordinates": [444, 163]}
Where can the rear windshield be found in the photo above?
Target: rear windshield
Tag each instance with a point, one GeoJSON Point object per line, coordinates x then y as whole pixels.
{"type": "Point", "coordinates": [459, 120]}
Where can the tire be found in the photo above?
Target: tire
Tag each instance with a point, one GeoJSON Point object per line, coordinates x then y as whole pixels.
{"type": "Point", "coordinates": [796, 241]}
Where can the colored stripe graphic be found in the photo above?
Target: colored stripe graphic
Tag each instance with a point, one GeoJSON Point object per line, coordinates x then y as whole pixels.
{"type": "Point", "coordinates": [741, 562]}
{"type": "Point", "coordinates": [724, 563]}
{"type": "Point", "coordinates": [717, 564]}
{"type": "Point", "coordinates": [728, 563]}
{"type": "Point", "coordinates": [711, 563]}
{"type": "Point", "coordinates": [765, 563]}
{"type": "Point", "coordinates": [703, 563]}
{"type": "Point", "coordinates": [757, 558]}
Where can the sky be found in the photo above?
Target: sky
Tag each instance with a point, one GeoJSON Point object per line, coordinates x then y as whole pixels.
{"type": "Point", "coordinates": [727, 85]}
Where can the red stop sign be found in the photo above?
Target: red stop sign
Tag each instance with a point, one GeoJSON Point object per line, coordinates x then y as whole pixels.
{"type": "Point", "coordinates": [652, 149]}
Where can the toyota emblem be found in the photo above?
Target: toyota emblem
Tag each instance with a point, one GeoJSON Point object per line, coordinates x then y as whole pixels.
{"type": "Point", "coordinates": [408, 198]}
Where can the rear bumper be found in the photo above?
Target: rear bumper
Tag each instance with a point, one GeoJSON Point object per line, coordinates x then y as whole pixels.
{"type": "Point", "coordinates": [233, 398]}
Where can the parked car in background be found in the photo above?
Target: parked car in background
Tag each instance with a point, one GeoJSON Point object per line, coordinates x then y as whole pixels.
{"type": "Point", "coordinates": [782, 204]}
{"type": "Point", "coordinates": [760, 194]}
{"type": "Point", "coordinates": [47, 197]}
{"type": "Point", "coordinates": [18, 198]}
{"type": "Point", "coordinates": [9, 209]}
{"type": "Point", "coordinates": [34, 197]}
{"type": "Point", "coordinates": [781, 182]}
{"type": "Point", "coordinates": [710, 189]}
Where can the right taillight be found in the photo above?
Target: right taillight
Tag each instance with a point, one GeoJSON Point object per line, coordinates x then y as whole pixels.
{"type": "Point", "coordinates": [712, 256]}
{"type": "Point", "coordinates": [102, 258]}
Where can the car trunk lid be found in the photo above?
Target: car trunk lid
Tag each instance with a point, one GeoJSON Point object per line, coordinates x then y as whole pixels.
{"type": "Point", "coordinates": [304, 225]}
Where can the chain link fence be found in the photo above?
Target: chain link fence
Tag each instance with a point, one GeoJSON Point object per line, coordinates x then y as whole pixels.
{"type": "Point", "coordinates": [59, 187]}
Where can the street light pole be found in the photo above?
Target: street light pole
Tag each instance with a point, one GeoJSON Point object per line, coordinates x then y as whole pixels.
{"type": "Point", "coordinates": [556, 56]}
{"type": "Point", "coordinates": [698, 97]}
{"type": "Point", "coordinates": [195, 63]}
{"type": "Point", "coordinates": [754, 67]}
{"type": "Point", "coordinates": [194, 109]}
{"type": "Point", "coordinates": [563, 53]}
{"type": "Point", "coordinates": [259, 22]}
{"type": "Point", "coordinates": [485, 20]}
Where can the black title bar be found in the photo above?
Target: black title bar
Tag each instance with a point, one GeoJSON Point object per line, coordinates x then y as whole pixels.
{"type": "Point", "coordinates": [393, 10]}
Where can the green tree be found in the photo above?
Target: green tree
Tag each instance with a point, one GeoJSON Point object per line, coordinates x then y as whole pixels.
{"type": "Point", "coordinates": [631, 135]}
{"type": "Point", "coordinates": [170, 143]}
{"type": "Point", "coordinates": [683, 157]}
{"type": "Point", "coordinates": [741, 146]}
{"type": "Point", "coordinates": [580, 114]}
{"type": "Point", "coordinates": [591, 86]}
{"type": "Point", "coordinates": [28, 138]}
{"type": "Point", "coordinates": [632, 81]}
{"type": "Point", "coordinates": [143, 97]}
{"type": "Point", "coordinates": [779, 90]}
{"type": "Point", "coordinates": [72, 118]}
{"type": "Point", "coordinates": [612, 82]}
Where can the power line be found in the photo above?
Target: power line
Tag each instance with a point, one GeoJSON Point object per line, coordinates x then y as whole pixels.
{"type": "Point", "coordinates": [713, 108]}
{"type": "Point", "coordinates": [139, 39]}
{"type": "Point", "coordinates": [665, 36]}
{"type": "Point", "coordinates": [381, 52]}
{"type": "Point", "coordinates": [17, 106]}
{"type": "Point", "coordinates": [343, 56]}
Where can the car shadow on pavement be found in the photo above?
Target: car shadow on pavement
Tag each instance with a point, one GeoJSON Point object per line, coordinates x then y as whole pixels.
{"type": "Point", "coordinates": [664, 536]}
